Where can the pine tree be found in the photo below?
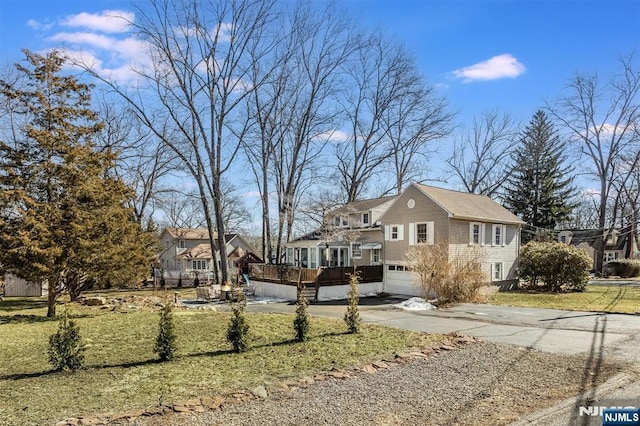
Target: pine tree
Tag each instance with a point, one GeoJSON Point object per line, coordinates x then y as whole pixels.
{"type": "Point", "coordinates": [63, 216]}
{"type": "Point", "coordinates": [66, 352]}
{"type": "Point", "coordinates": [540, 190]}
{"type": "Point", "coordinates": [301, 321]}
{"type": "Point", "coordinates": [352, 316]}
{"type": "Point", "coordinates": [166, 340]}
{"type": "Point", "coordinates": [238, 329]}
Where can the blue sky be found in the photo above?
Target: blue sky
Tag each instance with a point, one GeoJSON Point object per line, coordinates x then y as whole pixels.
{"type": "Point", "coordinates": [482, 55]}
{"type": "Point", "coordinates": [536, 45]}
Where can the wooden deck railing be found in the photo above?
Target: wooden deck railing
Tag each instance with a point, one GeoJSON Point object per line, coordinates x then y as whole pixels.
{"type": "Point", "coordinates": [288, 275]}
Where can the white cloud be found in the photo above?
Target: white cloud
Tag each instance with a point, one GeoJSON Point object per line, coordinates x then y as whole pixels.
{"type": "Point", "coordinates": [109, 21]}
{"type": "Point", "coordinates": [39, 26]}
{"type": "Point", "coordinates": [333, 136]}
{"type": "Point", "coordinates": [501, 66]}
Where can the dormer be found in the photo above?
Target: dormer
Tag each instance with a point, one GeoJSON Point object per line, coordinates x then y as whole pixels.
{"type": "Point", "coordinates": [565, 237]}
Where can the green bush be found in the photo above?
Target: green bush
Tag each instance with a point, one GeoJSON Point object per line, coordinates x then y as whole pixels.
{"type": "Point", "coordinates": [166, 341]}
{"type": "Point", "coordinates": [66, 352]}
{"type": "Point", "coordinates": [625, 268]}
{"type": "Point", "coordinates": [352, 316]}
{"type": "Point", "coordinates": [238, 330]}
{"type": "Point", "coordinates": [554, 266]}
{"type": "Point", "coordinates": [301, 321]}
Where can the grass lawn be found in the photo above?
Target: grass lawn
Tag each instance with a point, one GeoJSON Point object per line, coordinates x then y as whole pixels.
{"type": "Point", "coordinates": [620, 299]}
{"type": "Point", "coordinates": [122, 373]}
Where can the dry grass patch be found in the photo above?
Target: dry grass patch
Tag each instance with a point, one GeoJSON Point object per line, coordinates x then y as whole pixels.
{"type": "Point", "coordinates": [122, 373]}
{"type": "Point", "coordinates": [620, 299]}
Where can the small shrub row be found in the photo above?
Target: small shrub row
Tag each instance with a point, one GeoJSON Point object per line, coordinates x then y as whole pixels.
{"type": "Point", "coordinates": [624, 268]}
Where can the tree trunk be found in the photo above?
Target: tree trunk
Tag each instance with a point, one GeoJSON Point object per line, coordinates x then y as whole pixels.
{"type": "Point", "coordinates": [52, 297]}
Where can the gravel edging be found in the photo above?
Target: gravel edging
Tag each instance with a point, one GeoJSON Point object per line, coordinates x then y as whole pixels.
{"type": "Point", "coordinates": [477, 384]}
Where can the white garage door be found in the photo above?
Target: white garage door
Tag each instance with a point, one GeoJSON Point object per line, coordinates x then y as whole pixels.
{"type": "Point", "coordinates": [400, 281]}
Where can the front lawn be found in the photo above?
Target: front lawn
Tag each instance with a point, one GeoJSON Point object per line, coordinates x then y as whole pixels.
{"type": "Point", "coordinates": [122, 373]}
{"type": "Point", "coordinates": [620, 299]}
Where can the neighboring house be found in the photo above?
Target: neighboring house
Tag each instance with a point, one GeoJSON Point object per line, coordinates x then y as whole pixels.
{"type": "Point", "coordinates": [351, 235]}
{"type": "Point", "coordinates": [186, 250]}
{"type": "Point", "coordinates": [382, 230]}
{"type": "Point", "coordinates": [427, 215]}
{"type": "Point", "coordinates": [14, 286]}
{"type": "Point", "coordinates": [619, 243]}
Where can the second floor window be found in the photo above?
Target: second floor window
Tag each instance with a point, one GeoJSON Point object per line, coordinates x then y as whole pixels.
{"type": "Point", "coordinates": [365, 218]}
{"type": "Point", "coordinates": [476, 233]}
{"type": "Point", "coordinates": [394, 232]}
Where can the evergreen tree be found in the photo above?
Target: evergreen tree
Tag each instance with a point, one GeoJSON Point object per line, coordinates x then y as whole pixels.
{"type": "Point", "coordinates": [352, 316]}
{"type": "Point", "coordinates": [540, 189]}
{"type": "Point", "coordinates": [301, 321]}
{"type": "Point", "coordinates": [166, 340]}
{"type": "Point", "coordinates": [62, 216]}
{"type": "Point", "coordinates": [66, 352]}
{"type": "Point", "coordinates": [238, 328]}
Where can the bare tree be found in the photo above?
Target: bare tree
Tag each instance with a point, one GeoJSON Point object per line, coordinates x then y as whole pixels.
{"type": "Point", "coordinates": [201, 57]}
{"type": "Point", "coordinates": [480, 158]}
{"type": "Point", "coordinates": [602, 118]}
{"type": "Point", "coordinates": [295, 111]}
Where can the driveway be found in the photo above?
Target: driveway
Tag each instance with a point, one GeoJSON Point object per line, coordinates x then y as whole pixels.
{"type": "Point", "coordinates": [597, 336]}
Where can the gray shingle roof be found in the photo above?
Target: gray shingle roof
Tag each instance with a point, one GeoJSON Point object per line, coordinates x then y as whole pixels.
{"type": "Point", "coordinates": [362, 205]}
{"type": "Point", "coordinates": [463, 205]}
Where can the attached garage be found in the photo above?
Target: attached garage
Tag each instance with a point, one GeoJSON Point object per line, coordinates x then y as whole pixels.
{"type": "Point", "coordinates": [400, 281]}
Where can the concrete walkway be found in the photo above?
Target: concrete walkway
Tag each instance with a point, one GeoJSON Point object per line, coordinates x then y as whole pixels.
{"type": "Point", "coordinates": [598, 336]}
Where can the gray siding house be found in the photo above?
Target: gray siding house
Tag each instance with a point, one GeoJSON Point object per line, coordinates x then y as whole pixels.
{"type": "Point", "coordinates": [427, 215]}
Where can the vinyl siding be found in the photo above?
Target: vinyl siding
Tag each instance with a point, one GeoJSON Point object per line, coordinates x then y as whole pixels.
{"type": "Point", "coordinates": [425, 210]}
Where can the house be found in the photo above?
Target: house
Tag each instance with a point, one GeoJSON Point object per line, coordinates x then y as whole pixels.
{"type": "Point", "coordinates": [427, 215]}
{"type": "Point", "coordinates": [187, 252]}
{"type": "Point", "coordinates": [619, 243]}
{"type": "Point", "coordinates": [382, 230]}
{"type": "Point", "coordinates": [350, 236]}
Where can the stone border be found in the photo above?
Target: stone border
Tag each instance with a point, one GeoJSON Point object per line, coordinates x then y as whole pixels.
{"type": "Point", "coordinates": [207, 403]}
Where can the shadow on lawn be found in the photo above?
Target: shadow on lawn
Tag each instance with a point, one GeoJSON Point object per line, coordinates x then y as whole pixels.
{"type": "Point", "coordinates": [33, 319]}
{"type": "Point", "coordinates": [22, 303]}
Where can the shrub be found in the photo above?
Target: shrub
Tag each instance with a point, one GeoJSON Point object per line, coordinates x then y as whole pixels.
{"type": "Point", "coordinates": [453, 278]}
{"type": "Point", "coordinates": [301, 321]}
{"type": "Point", "coordinates": [238, 330]}
{"type": "Point", "coordinates": [352, 316]}
{"type": "Point", "coordinates": [165, 345]}
{"type": "Point", "coordinates": [625, 268]}
{"type": "Point", "coordinates": [66, 352]}
{"type": "Point", "coordinates": [554, 267]}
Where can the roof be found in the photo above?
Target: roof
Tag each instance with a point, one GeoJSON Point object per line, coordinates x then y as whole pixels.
{"type": "Point", "coordinates": [590, 236]}
{"type": "Point", "coordinates": [363, 205]}
{"type": "Point", "coordinates": [463, 205]}
{"type": "Point", "coordinates": [195, 234]}
{"type": "Point", "coordinates": [201, 251]}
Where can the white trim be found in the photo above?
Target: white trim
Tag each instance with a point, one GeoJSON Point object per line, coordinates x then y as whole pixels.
{"type": "Point", "coordinates": [472, 226]}
{"type": "Point", "coordinates": [368, 222]}
{"type": "Point", "coordinates": [353, 251]}
{"type": "Point", "coordinates": [495, 228]}
{"type": "Point", "coordinates": [430, 233]}
{"type": "Point", "coordinates": [412, 233]}
{"type": "Point", "coordinates": [399, 232]}
{"type": "Point", "coordinates": [387, 232]}
{"type": "Point", "coordinates": [494, 271]}
{"type": "Point", "coordinates": [504, 235]}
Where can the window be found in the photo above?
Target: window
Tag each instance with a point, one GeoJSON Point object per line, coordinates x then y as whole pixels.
{"type": "Point", "coordinates": [304, 257]}
{"type": "Point", "coordinates": [609, 256]}
{"type": "Point", "coordinates": [421, 233]}
{"type": "Point", "coordinates": [345, 221]}
{"type": "Point", "coordinates": [336, 221]}
{"type": "Point", "coordinates": [313, 257]}
{"type": "Point", "coordinates": [365, 218]}
{"type": "Point", "coordinates": [199, 265]}
{"type": "Point", "coordinates": [376, 255]}
{"type": "Point", "coordinates": [563, 239]}
{"type": "Point", "coordinates": [497, 271]}
{"type": "Point", "coordinates": [499, 232]}
{"type": "Point", "coordinates": [356, 251]}
{"type": "Point", "coordinates": [394, 232]}
{"type": "Point", "coordinates": [392, 267]}
{"type": "Point", "coordinates": [399, 268]}
{"type": "Point", "coordinates": [475, 234]}
{"type": "Point", "coordinates": [182, 245]}
{"type": "Point", "coordinates": [289, 258]}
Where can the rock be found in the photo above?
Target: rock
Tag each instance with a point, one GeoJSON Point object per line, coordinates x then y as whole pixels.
{"type": "Point", "coordinates": [212, 403]}
{"type": "Point", "coordinates": [446, 347]}
{"type": "Point", "coordinates": [193, 402]}
{"type": "Point", "coordinates": [259, 392]}
{"type": "Point", "coordinates": [199, 409]}
{"type": "Point", "coordinates": [68, 422]}
{"type": "Point", "coordinates": [89, 421]}
{"type": "Point", "coordinates": [319, 377]}
{"type": "Point", "coordinates": [418, 354]}
{"type": "Point", "coordinates": [338, 374]}
{"type": "Point", "coordinates": [95, 301]}
{"type": "Point", "coordinates": [402, 355]}
{"type": "Point", "coordinates": [369, 369]}
{"type": "Point", "coordinates": [380, 365]}
{"type": "Point", "coordinates": [181, 409]}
